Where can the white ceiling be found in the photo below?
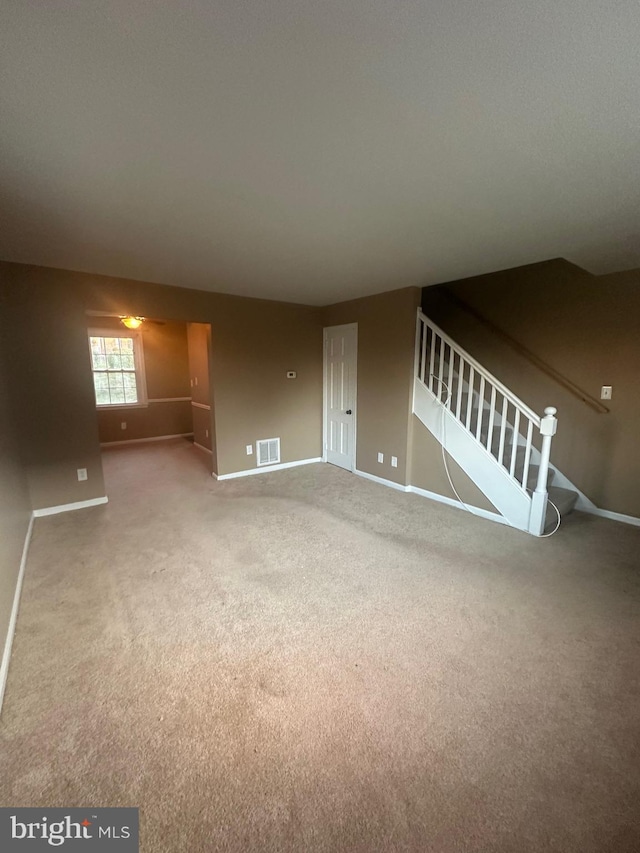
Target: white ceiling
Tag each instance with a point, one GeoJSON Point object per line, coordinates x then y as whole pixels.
{"type": "Point", "coordinates": [318, 151]}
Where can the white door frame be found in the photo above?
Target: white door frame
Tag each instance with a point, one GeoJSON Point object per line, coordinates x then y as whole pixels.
{"type": "Point", "coordinates": [353, 326]}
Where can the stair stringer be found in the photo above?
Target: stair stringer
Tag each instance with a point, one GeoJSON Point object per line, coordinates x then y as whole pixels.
{"type": "Point", "coordinates": [490, 477]}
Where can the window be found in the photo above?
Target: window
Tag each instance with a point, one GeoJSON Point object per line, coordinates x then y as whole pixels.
{"type": "Point", "coordinates": [118, 368]}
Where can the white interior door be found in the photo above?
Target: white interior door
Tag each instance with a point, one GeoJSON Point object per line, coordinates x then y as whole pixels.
{"type": "Point", "coordinates": [340, 362]}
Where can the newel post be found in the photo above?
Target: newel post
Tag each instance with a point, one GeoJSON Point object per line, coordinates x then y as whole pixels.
{"type": "Point", "coordinates": [416, 359]}
{"type": "Point", "coordinates": [548, 427]}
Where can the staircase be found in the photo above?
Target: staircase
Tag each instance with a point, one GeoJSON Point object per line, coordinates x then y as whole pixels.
{"type": "Point", "coordinates": [502, 444]}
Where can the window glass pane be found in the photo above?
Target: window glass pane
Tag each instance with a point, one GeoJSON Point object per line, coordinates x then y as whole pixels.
{"type": "Point", "coordinates": [127, 362]}
{"type": "Point", "coordinates": [116, 387]}
{"type": "Point", "coordinates": [130, 388]}
{"type": "Point", "coordinates": [99, 361]}
{"type": "Point", "coordinates": [97, 345]}
{"type": "Point", "coordinates": [126, 345]}
{"type": "Point", "coordinates": [101, 381]}
{"type": "Point", "coordinates": [112, 345]}
{"type": "Point", "coordinates": [113, 362]}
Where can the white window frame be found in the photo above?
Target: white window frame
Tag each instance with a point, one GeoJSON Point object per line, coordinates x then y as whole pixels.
{"type": "Point", "coordinates": [138, 360]}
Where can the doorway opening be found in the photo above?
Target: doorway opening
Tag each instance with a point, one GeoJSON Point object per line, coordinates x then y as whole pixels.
{"type": "Point", "coordinates": [152, 383]}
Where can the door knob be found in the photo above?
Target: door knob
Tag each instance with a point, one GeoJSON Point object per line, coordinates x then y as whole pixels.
{"type": "Point", "coordinates": [348, 412]}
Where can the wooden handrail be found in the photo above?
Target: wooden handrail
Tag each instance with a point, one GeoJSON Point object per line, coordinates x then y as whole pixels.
{"type": "Point", "coordinates": [551, 372]}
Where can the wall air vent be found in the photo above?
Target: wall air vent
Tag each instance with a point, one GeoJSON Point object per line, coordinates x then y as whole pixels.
{"type": "Point", "coordinates": [268, 451]}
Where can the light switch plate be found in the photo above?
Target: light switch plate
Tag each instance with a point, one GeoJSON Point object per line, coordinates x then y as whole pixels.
{"type": "Point", "coordinates": [249, 449]}
{"type": "Point", "coordinates": [380, 457]}
{"type": "Point", "coordinates": [394, 461]}
{"type": "Point", "coordinates": [82, 474]}
{"type": "Point", "coordinates": [605, 392]}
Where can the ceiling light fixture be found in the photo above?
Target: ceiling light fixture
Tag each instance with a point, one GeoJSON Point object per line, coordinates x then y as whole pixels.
{"type": "Point", "coordinates": [132, 322]}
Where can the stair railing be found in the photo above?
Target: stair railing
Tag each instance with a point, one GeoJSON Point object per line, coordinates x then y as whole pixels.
{"type": "Point", "coordinates": [458, 380]}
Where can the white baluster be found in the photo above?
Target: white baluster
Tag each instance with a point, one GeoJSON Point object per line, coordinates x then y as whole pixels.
{"type": "Point", "coordinates": [492, 418]}
{"type": "Point", "coordinates": [480, 408]}
{"type": "Point", "coordinates": [440, 370]}
{"type": "Point", "coordinates": [472, 379]}
{"type": "Point", "coordinates": [449, 390]}
{"type": "Point", "coordinates": [432, 357]}
{"type": "Point", "coordinates": [423, 361]}
{"type": "Point", "coordinates": [514, 442]}
{"type": "Point", "coordinates": [527, 455]}
{"type": "Point", "coordinates": [461, 364]}
{"type": "Point", "coordinates": [503, 427]}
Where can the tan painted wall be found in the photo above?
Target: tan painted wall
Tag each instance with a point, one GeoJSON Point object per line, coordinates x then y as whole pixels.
{"type": "Point", "coordinates": [386, 335]}
{"type": "Point", "coordinates": [167, 375]}
{"type": "Point", "coordinates": [199, 346]}
{"type": "Point", "coordinates": [586, 327]}
{"type": "Point", "coordinates": [253, 399]}
{"type": "Point", "coordinates": [201, 419]}
{"type": "Point", "coordinates": [51, 385]}
{"type": "Point", "coordinates": [428, 471]}
{"type": "Point", "coordinates": [254, 343]}
{"type": "Point", "coordinates": [15, 507]}
{"type": "Point", "coordinates": [199, 340]}
{"type": "Point", "coordinates": [155, 420]}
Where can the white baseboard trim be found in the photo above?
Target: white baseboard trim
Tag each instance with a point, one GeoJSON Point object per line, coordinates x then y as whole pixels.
{"type": "Point", "coordinates": [8, 643]}
{"type": "Point", "coordinates": [141, 440]}
{"type": "Point", "coordinates": [472, 510]}
{"type": "Point", "coordinates": [265, 469]}
{"type": "Point", "coordinates": [433, 496]}
{"type": "Point", "coordinates": [202, 447]}
{"type": "Point", "coordinates": [493, 516]}
{"type": "Point", "coordinates": [54, 510]}
{"type": "Point", "coordinates": [383, 482]}
{"type": "Point", "coordinates": [584, 504]}
{"type": "Point", "coordinates": [612, 516]}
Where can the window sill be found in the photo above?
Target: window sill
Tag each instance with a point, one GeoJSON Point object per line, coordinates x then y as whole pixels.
{"type": "Point", "coordinates": [110, 406]}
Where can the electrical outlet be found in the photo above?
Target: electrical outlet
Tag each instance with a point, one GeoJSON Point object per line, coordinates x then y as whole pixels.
{"type": "Point", "coordinates": [380, 457]}
{"type": "Point", "coordinates": [82, 474]}
{"type": "Point", "coordinates": [291, 374]}
{"type": "Point", "coordinates": [394, 461]}
{"type": "Point", "coordinates": [605, 392]}
{"type": "Point", "coordinates": [249, 449]}
{"type": "Point", "coordinates": [123, 425]}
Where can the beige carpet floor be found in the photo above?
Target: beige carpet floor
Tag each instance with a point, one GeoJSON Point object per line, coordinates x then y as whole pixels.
{"type": "Point", "coordinates": [308, 661]}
